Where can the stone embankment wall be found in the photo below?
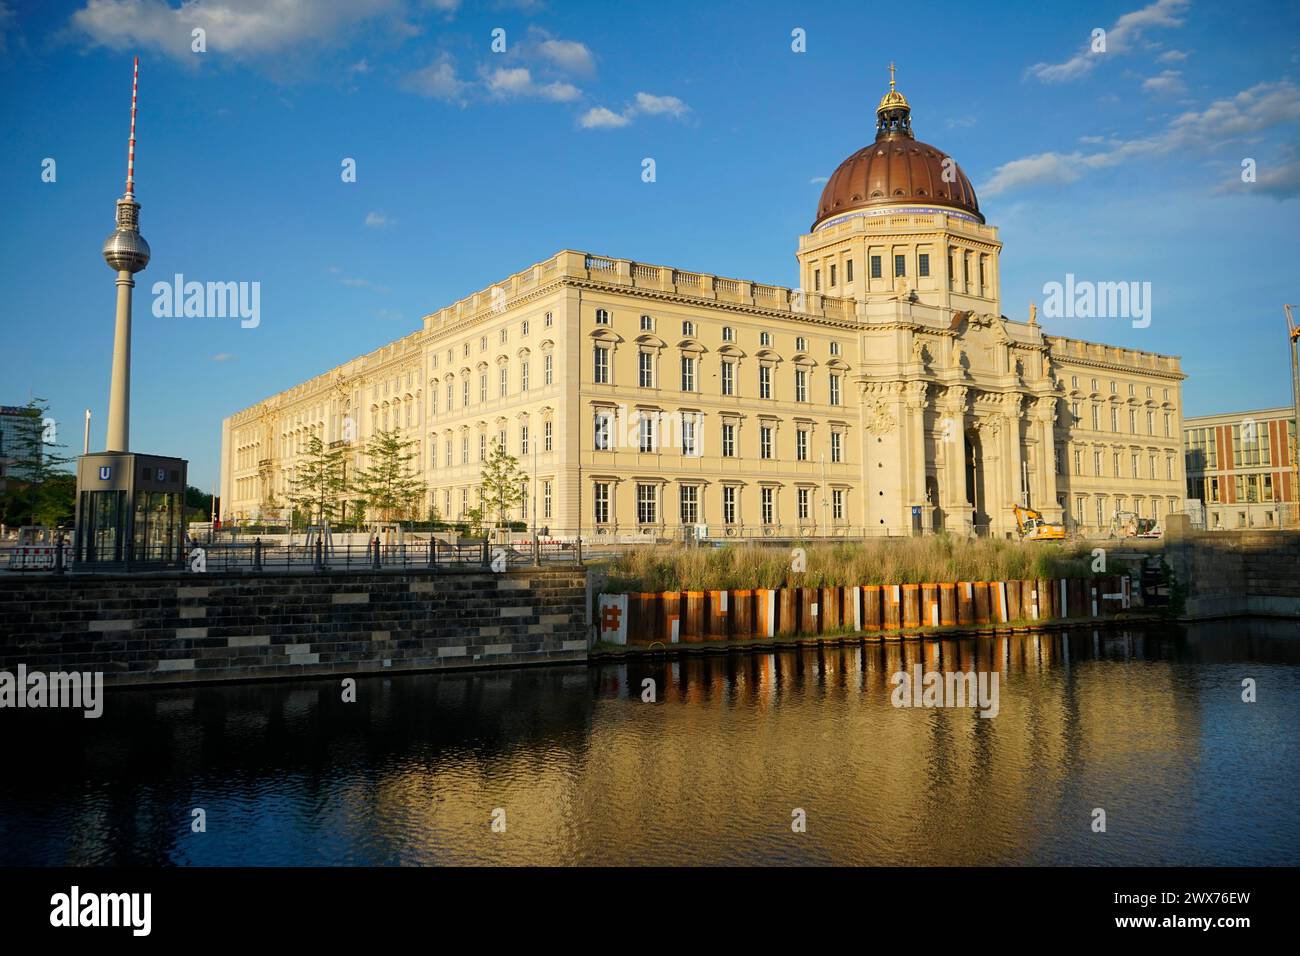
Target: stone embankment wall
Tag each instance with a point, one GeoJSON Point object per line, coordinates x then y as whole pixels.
{"type": "Point", "coordinates": [177, 626]}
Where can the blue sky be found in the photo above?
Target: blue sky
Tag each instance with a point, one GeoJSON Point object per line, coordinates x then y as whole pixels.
{"type": "Point", "coordinates": [471, 164]}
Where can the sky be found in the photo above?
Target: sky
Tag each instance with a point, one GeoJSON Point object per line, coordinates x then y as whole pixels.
{"type": "Point", "coordinates": [472, 163]}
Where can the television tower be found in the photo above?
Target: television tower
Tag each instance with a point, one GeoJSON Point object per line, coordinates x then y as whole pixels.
{"type": "Point", "coordinates": [126, 253]}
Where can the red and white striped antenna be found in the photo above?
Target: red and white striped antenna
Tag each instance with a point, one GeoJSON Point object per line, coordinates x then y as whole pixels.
{"type": "Point", "coordinates": [130, 152]}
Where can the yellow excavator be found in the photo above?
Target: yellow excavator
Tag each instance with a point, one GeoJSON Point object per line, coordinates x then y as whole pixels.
{"type": "Point", "coordinates": [1032, 527]}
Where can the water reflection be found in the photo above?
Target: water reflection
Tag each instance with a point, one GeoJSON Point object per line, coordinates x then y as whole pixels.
{"type": "Point", "coordinates": [1147, 724]}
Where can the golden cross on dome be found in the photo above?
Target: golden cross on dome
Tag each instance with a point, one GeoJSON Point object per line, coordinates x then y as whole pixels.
{"type": "Point", "coordinates": [891, 74]}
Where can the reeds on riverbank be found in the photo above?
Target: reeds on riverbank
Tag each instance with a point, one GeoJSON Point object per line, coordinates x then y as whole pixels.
{"type": "Point", "coordinates": [885, 561]}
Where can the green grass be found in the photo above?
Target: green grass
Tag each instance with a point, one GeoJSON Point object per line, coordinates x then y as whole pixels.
{"type": "Point", "coordinates": [925, 560]}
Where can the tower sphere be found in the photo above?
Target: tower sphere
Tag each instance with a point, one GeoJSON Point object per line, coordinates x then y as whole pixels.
{"type": "Point", "coordinates": [125, 249]}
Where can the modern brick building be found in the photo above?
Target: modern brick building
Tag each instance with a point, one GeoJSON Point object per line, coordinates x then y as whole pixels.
{"type": "Point", "coordinates": [1241, 465]}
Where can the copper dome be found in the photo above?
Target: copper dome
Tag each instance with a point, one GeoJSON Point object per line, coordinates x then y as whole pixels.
{"type": "Point", "coordinates": [896, 168]}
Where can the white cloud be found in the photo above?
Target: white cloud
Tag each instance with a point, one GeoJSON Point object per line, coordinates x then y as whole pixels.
{"type": "Point", "coordinates": [819, 180]}
{"type": "Point", "coordinates": [518, 81]}
{"type": "Point", "coordinates": [600, 118]}
{"type": "Point", "coordinates": [1120, 39]}
{"type": "Point", "coordinates": [243, 29]}
{"type": "Point", "coordinates": [1279, 182]}
{"type": "Point", "coordinates": [568, 55]}
{"type": "Point", "coordinates": [1043, 169]}
{"type": "Point", "coordinates": [224, 357]}
{"type": "Point", "coordinates": [377, 220]}
{"type": "Point", "coordinates": [647, 103]}
{"type": "Point", "coordinates": [438, 80]}
{"type": "Point", "coordinates": [447, 7]}
{"type": "Point", "coordinates": [1245, 114]}
{"type": "Point", "coordinates": [1167, 82]}
{"type": "Point", "coordinates": [1171, 56]}
{"type": "Point", "coordinates": [658, 105]}
{"type": "Point", "coordinates": [961, 122]}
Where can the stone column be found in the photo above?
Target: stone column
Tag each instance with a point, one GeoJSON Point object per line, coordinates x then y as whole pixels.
{"type": "Point", "coordinates": [952, 436]}
{"type": "Point", "coordinates": [1044, 418]}
{"type": "Point", "coordinates": [914, 490]}
{"type": "Point", "coordinates": [1012, 468]}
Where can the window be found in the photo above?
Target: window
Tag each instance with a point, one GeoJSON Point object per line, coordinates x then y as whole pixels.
{"type": "Point", "coordinates": [501, 439]}
{"type": "Point", "coordinates": [1166, 424]}
{"type": "Point", "coordinates": [688, 329]}
{"type": "Point", "coordinates": [728, 334]}
{"type": "Point", "coordinates": [728, 440]}
{"type": "Point", "coordinates": [1096, 418]}
{"type": "Point", "coordinates": [523, 439]}
{"type": "Point", "coordinates": [546, 322]}
{"type": "Point", "coordinates": [875, 267]}
{"type": "Point", "coordinates": [647, 504]}
{"type": "Point", "coordinates": [647, 323]}
{"type": "Point", "coordinates": [1152, 462]}
{"type": "Point", "coordinates": [836, 445]}
{"type": "Point", "coordinates": [801, 503]}
{"type": "Point", "coordinates": [547, 365]}
{"type": "Point", "coordinates": [835, 348]}
{"type": "Point", "coordinates": [523, 327]}
{"type": "Point", "coordinates": [900, 266]}
{"type": "Point", "coordinates": [800, 385]}
{"type": "Point", "coordinates": [602, 436]}
{"type": "Point", "coordinates": [728, 504]}
{"type": "Point", "coordinates": [600, 365]}
{"type": "Point", "coordinates": [767, 496]}
{"type": "Point", "coordinates": [447, 449]}
{"type": "Point", "coordinates": [1132, 390]}
{"type": "Point", "coordinates": [801, 444]}
{"type": "Point", "coordinates": [765, 442]}
{"type": "Point", "coordinates": [464, 449]}
{"type": "Point", "coordinates": [602, 317]}
{"type": "Point", "coordinates": [765, 338]}
{"type": "Point", "coordinates": [601, 499]}
{"type": "Point", "coordinates": [1114, 419]}
{"type": "Point", "coordinates": [688, 373]}
{"type": "Point", "coordinates": [832, 275]}
{"type": "Point", "coordinates": [817, 280]}
{"type": "Point", "coordinates": [728, 378]}
{"type": "Point", "coordinates": [504, 381]}
{"type": "Point", "coordinates": [1115, 464]}
{"type": "Point", "coordinates": [482, 387]}
{"type": "Point", "coordinates": [1101, 511]}
{"type": "Point", "coordinates": [465, 349]}
{"type": "Point", "coordinates": [800, 344]}
{"type": "Point", "coordinates": [504, 336]}
{"type": "Point", "coordinates": [482, 447]}
{"type": "Point", "coordinates": [546, 499]}
{"type": "Point", "coordinates": [1135, 465]}
{"type": "Point", "coordinates": [546, 436]}
{"type": "Point", "coordinates": [1096, 463]}
{"type": "Point", "coordinates": [835, 388]}
{"type": "Point", "coordinates": [848, 270]}
{"type": "Point", "coordinates": [690, 504]}
{"type": "Point", "coordinates": [646, 432]}
{"type": "Point", "coordinates": [523, 376]}
{"type": "Point", "coordinates": [1059, 460]}
{"type": "Point", "coordinates": [1151, 423]}
{"type": "Point", "coordinates": [690, 447]}
{"type": "Point", "coordinates": [837, 504]}
{"type": "Point", "coordinates": [1074, 381]}
{"type": "Point", "coordinates": [464, 393]}
{"type": "Point", "coordinates": [923, 264]}
{"type": "Point", "coordinates": [1132, 421]}
{"type": "Point", "coordinates": [765, 381]}
{"type": "Point", "coordinates": [482, 343]}
{"type": "Point", "coordinates": [646, 375]}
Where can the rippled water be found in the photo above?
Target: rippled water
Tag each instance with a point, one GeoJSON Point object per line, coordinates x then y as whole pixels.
{"type": "Point", "coordinates": [1148, 725]}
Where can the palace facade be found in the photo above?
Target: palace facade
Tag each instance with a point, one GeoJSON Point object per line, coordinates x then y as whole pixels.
{"type": "Point", "coordinates": [888, 394]}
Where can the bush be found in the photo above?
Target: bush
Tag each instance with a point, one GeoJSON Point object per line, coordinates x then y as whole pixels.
{"type": "Point", "coordinates": [928, 560]}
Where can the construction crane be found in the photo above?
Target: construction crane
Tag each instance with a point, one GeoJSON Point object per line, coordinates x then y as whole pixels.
{"type": "Point", "coordinates": [1293, 333]}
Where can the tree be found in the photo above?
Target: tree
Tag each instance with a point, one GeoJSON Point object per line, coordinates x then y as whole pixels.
{"type": "Point", "coordinates": [390, 483]}
{"type": "Point", "coordinates": [37, 489]}
{"type": "Point", "coordinates": [503, 484]}
{"type": "Point", "coordinates": [317, 482]}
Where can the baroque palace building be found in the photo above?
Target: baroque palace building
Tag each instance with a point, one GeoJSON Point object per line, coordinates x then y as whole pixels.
{"type": "Point", "coordinates": [888, 394]}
